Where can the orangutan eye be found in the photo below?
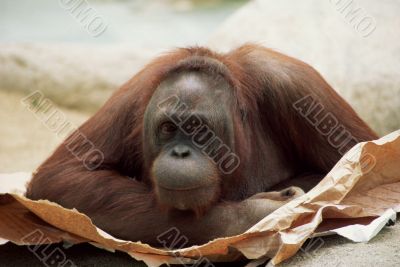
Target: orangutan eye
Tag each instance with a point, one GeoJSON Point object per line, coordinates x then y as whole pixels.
{"type": "Point", "coordinates": [168, 128]}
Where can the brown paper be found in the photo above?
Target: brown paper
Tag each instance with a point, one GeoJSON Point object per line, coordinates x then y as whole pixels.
{"type": "Point", "coordinates": [364, 185]}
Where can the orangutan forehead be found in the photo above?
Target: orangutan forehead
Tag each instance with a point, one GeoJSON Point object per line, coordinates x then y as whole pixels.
{"type": "Point", "coordinates": [205, 64]}
{"type": "Point", "coordinates": [193, 86]}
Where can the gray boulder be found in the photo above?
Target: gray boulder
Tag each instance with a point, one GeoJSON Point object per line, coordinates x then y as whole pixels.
{"type": "Point", "coordinates": [355, 45]}
{"type": "Point", "coordinates": [74, 76]}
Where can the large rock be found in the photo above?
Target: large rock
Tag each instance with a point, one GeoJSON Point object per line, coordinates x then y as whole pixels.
{"type": "Point", "coordinates": [354, 44]}
{"type": "Point", "coordinates": [76, 76]}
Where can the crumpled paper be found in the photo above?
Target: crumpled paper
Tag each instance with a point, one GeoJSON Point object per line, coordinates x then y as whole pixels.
{"type": "Point", "coordinates": [356, 199]}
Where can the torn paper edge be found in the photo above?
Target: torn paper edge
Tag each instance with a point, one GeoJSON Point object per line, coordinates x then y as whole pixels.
{"type": "Point", "coordinates": [364, 233]}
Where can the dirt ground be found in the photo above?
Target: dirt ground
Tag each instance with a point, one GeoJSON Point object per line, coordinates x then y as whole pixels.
{"type": "Point", "coordinates": [25, 141]}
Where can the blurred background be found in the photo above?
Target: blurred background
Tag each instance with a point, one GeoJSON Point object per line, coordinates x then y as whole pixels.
{"type": "Point", "coordinates": [77, 52]}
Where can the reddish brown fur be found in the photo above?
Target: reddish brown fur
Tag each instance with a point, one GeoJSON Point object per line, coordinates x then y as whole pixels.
{"type": "Point", "coordinates": [265, 85]}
